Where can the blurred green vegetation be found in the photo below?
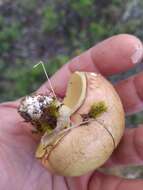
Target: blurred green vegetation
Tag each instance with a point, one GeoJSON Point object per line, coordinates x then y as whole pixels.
{"type": "Point", "coordinates": [50, 20]}
{"type": "Point", "coordinates": [9, 32]}
{"type": "Point", "coordinates": [55, 31]}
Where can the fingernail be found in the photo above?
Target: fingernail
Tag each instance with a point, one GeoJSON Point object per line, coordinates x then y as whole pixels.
{"type": "Point", "coordinates": [138, 54]}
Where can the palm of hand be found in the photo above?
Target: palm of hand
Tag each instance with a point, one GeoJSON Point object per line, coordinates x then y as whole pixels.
{"type": "Point", "coordinates": [21, 171]}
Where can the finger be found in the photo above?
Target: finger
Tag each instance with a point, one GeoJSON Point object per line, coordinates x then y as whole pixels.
{"type": "Point", "coordinates": [130, 149]}
{"type": "Point", "coordinates": [131, 93]}
{"type": "Point", "coordinates": [105, 182]}
{"type": "Point", "coordinates": [113, 55]}
{"type": "Point", "coordinates": [116, 54]}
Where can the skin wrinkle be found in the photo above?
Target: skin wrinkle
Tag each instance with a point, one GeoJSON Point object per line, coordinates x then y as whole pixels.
{"type": "Point", "coordinates": [132, 184]}
{"type": "Point", "coordinates": [69, 68]}
{"type": "Point", "coordinates": [52, 181]}
{"type": "Point", "coordinates": [115, 184]}
{"type": "Point", "coordinates": [5, 143]}
{"type": "Point", "coordinates": [59, 183]}
{"type": "Point", "coordinates": [80, 182]}
{"type": "Point", "coordinates": [132, 137]}
{"type": "Point", "coordinates": [139, 83]}
{"type": "Point", "coordinates": [77, 63]}
{"type": "Point", "coordinates": [135, 144]}
{"type": "Point", "coordinates": [8, 105]}
{"type": "Point", "coordinates": [35, 180]}
{"type": "Point", "coordinates": [66, 73]}
{"type": "Point", "coordinates": [132, 103]}
{"type": "Point", "coordinates": [138, 108]}
{"type": "Point", "coordinates": [41, 176]}
{"type": "Point", "coordinates": [91, 56]}
{"type": "Point", "coordinates": [138, 94]}
{"type": "Point", "coordinates": [28, 172]}
{"type": "Point", "coordinates": [120, 181]}
{"type": "Point", "coordinates": [97, 181]}
{"type": "Point", "coordinates": [66, 183]}
{"type": "Point", "coordinates": [135, 90]}
{"type": "Point", "coordinates": [8, 163]}
{"type": "Point", "coordinates": [2, 157]}
{"type": "Point", "coordinates": [119, 186]}
{"type": "Point", "coordinates": [93, 60]}
{"type": "Point", "coordinates": [26, 178]}
{"type": "Point", "coordinates": [45, 88]}
{"type": "Point", "coordinates": [117, 157]}
{"type": "Point", "coordinates": [104, 184]}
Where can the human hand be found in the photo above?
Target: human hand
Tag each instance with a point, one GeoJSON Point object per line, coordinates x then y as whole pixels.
{"type": "Point", "coordinates": [20, 169]}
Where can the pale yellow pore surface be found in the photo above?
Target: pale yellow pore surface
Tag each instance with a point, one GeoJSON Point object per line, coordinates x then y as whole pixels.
{"type": "Point", "coordinates": [82, 150]}
{"type": "Point", "coordinates": [76, 91]}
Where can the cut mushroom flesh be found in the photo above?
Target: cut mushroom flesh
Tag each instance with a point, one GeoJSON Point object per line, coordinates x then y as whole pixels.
{"type": "Point", "coordinates": [76, 91]}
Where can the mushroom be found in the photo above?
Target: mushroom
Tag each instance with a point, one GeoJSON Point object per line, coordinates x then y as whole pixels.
{"type": "Point", "coordinates": [89, 124]}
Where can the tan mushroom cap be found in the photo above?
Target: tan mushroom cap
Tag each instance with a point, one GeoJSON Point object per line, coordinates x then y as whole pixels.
{"type": "Point", "coordinates": [99, 89]}
{"type": "Point", "coordinates": [87, 147]}
{"type": "Point", "coordinates": [80, 151]}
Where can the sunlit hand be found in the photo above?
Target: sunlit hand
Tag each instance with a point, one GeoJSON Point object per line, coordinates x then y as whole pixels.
{"type": "Point", "coordinates": [19, 170]}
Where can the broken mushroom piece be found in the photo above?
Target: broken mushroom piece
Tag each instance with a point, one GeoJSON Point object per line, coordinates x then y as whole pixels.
{"type": "Point", "coordinates": [89, 125]}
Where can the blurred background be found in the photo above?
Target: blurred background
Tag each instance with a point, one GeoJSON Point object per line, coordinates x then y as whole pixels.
{"type": "Point", "coordinates": [55, 31]}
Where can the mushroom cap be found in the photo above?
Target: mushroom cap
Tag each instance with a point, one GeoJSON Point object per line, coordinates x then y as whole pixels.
{"type": "Point", "coordinates": [86, 147]}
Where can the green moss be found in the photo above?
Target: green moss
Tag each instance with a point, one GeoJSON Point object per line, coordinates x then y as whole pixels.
{"type": "Point", "coordinates": [48, 120]}
{"type": "Point", "coordinates": [45, 127]}
{"type": "Point", "coordinates": [53, 109]}
{"type": "Point", "coordinates": [97, 109]}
